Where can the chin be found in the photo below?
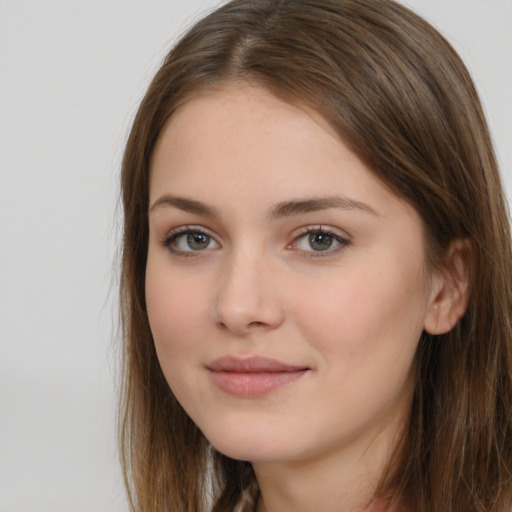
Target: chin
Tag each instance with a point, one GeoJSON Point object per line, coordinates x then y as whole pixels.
{"type": "Point", "coordinates": [250, 444]}
{"type": "Point", "coordinates": [253, 453]}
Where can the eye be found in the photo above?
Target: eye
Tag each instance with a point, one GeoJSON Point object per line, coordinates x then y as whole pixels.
{"type": "Point", "coordinates": [319, 240]}
{"type": "Point", "coordinates": [189, 240]}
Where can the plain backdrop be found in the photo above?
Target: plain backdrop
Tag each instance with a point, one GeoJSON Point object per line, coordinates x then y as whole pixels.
{"type": "Point", "coordinates": [71, 75]}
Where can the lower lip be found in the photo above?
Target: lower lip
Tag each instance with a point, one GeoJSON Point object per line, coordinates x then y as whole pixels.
{"type": "Point", "coordinates": [254, 383]}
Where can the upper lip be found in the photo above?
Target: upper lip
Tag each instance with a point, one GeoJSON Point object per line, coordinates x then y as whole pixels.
{"type": "Point", "coordinates": [252, 364]}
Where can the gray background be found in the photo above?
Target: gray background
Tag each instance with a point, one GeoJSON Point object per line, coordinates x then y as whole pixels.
{"type": "Point", "coordinates": [71, 76]}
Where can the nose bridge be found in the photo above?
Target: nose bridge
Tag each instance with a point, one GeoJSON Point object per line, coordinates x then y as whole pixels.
{"type": "Point", "coordinates": [246, 294]}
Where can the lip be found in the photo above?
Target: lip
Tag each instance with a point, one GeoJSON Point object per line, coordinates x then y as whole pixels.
{"type": "Point", "coordinates": [252, 376]}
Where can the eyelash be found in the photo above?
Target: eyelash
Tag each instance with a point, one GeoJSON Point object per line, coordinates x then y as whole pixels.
{"type": "Point", "coordinates": [176, 233]}
{"type": "Point", "coordinates": [314, 230]}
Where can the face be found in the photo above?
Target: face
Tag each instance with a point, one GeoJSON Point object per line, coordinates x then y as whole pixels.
{"type": "Point", "coordinates": [286, 287]}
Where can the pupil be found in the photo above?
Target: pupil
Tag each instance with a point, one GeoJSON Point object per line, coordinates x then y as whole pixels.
{"type": "Point", "coordinates": [197, 241]}
{"type": "Point", "coordinates": [320, 241]}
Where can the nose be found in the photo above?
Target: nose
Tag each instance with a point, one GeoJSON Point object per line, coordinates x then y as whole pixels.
{"type": "Point", "coordinates": [247, 296]}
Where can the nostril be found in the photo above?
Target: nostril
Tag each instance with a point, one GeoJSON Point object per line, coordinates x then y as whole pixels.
{"type": "Point", "coordinates": [222, 326]}
{"type": "Point", "coordinates": [256, 324]}
{"type": "Point", "coordinates": [240, 311]}
{"type": "Point", "coordinates": [246, 328]}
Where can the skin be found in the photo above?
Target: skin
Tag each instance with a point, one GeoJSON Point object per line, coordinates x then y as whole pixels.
{"type": "Point", "coordinates": [351, 314]}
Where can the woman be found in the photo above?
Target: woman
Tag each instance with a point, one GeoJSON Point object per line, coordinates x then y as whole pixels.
{"type": "Point", "coordinates": [316, 280]}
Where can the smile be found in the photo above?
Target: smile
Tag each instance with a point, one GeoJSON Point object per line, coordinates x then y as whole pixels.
{"type": "Point", "coordinates": [253, 376]}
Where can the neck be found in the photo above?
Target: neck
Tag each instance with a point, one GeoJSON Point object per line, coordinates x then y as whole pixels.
{"type": "Point", "coordinates": [345, 480]}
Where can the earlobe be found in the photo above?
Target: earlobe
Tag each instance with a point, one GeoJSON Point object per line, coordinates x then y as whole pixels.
{"type": "Point", "coordinates": [450, 289]}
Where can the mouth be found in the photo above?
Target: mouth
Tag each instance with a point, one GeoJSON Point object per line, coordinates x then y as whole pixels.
{"type": "Point", "coordinates": [253, 376]}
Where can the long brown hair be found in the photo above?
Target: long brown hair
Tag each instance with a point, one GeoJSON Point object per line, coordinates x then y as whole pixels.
{"type": "Point", "coordinates": [400, 97]}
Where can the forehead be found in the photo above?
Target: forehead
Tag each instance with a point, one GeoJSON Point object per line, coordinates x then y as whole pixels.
{"type": "Point", "coordinates": [238, 110]}
{"type": "Point", "coordinates": [244, 137]}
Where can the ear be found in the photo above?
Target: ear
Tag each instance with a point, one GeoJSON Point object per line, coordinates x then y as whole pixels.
{"type": "Point", "coordinates": [450, 289]}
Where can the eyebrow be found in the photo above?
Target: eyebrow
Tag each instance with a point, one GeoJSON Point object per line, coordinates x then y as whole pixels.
{"type": "Point", "coordinates": [280, 210]}
{"type": "Point", "coordinates": [296, 207]}
{"type": "Point", "coordinates": [185, 204]}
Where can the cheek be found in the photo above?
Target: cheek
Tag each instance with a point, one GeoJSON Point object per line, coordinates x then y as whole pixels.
{"type": "Point", "coordinates": [367, 315]}
{"type": "Point", "coordinates": [174, 309]}
{"type": "Point", "coordinates": [174, 312]}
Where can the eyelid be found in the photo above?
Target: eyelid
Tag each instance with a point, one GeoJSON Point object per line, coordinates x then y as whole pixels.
{"type": "Point", "coordinates": [323, 228]}
{"type": "Point", "coordinates": [342, 237]}
{"type": "Point", "coordinates": [174, 233]}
